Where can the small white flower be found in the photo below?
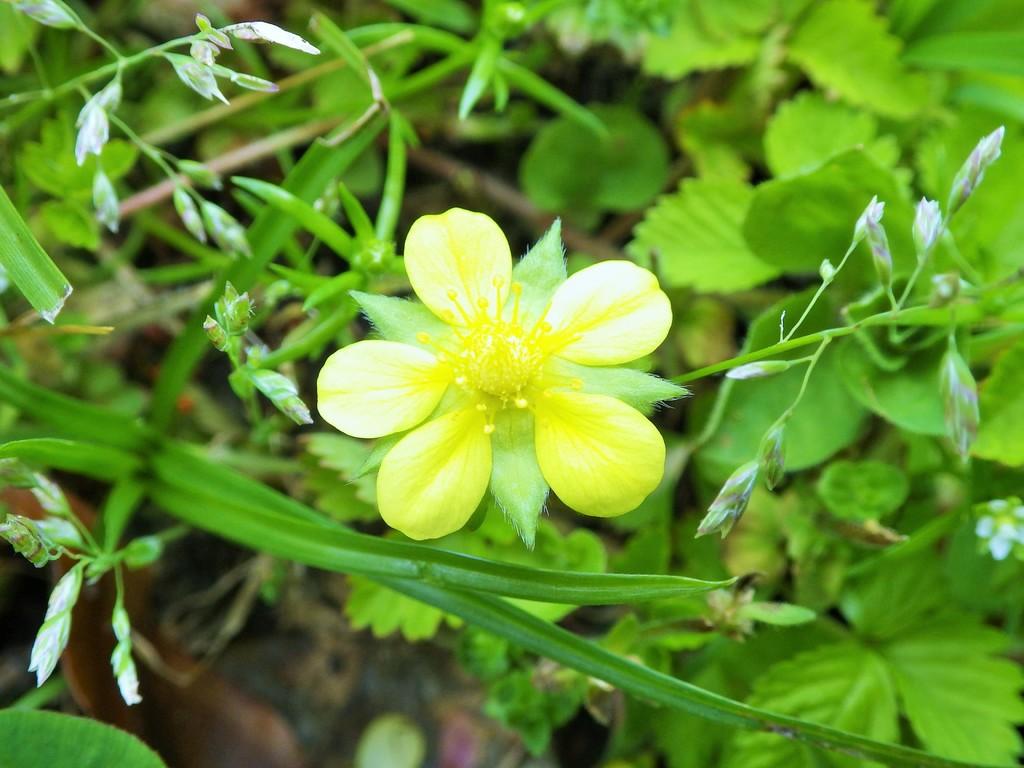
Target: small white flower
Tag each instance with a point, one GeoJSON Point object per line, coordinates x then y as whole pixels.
{"type": "Point", "coordinates": [262, 31]}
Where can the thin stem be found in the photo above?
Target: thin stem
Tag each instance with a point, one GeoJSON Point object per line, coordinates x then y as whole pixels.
{"type": "Point", "coordinates": [812, 362]}
{"type": "Point", "coordinates": [821, 289]}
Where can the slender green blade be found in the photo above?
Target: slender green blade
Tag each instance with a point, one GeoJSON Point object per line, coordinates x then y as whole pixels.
{"type": "Point", "coordinates": [28, 266]}
{"type": "Point", "coordinates": [99, 461]}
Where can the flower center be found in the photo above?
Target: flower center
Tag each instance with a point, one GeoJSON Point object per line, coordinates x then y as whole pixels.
{"type": "Point", "coordinates": [498, 358]}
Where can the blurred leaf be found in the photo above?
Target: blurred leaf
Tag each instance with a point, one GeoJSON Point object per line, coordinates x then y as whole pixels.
{"type": "Point", "coordinates": [696, 240]}
{"type": "Point", "coordinates": [862, 490]}
{"type": "Point", "coordinates": [70, 222]}
{"type": "Point", "coordinates": [391, 740]}
{"type": "Point", "coordinates": [777, 614]}
{"type": "Point", "coordinates": [566, 169]}
{"type": "Point", "coordinates": [32, 739]}
{"type": "Point", "coordinates": [914, 584]}
{"type": "Point", "coordinates": [1001, 52]}
{"type": "Point", "coordinates": [50, 162]}
{"type": "Point", "coordinates": [709, 34]}
{"type": "Point", "coordinates": [808, 131]}
{"type": "Point", "coordinates": [795, 223]}
{"type": "Point", "coordinates": [1002, 410]}
{"type": "Point", "coordinates": [962, 701]}
{"type": "Point", "coordinates": [339, 489]}
{"type": "Point", "coordinates": [845, 685]}
{"type": "Point", "coordinates": [532, 710]}
{"type": "Point", "coordinates": [16, 35]}
{"type": "Point", "coordinates": [908, 397]}
{"type": "Point", "coordinates": [450, 14]}
{"type": "Point", "coordinates": [844, 47]}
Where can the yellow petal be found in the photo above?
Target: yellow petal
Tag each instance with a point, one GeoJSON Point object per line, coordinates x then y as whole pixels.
{"type": "Point", "coordinates": [599, 455]}
{"type": "Point", "coordinates": [375, 388]}
{"type": "Point", "coordinates": [462, 254]}
{"type": "Point", "coordinates": [432, 481]}
{"type": "Point", "coordinates": [608, 314]}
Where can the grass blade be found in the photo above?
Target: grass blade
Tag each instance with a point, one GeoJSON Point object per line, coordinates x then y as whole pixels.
{"type": "Point", "coordinates": [28, 266]}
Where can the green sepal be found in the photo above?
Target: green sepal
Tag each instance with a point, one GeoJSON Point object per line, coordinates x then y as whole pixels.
{"type": "Point", "coordinates": [399, 319]}
{"type": "Point", "coordinates": [635, 388]}
{"type": "Point", "coordinates": [376, 455]}
{"type": "Point", "coordinates": [540, 272]}
{"type": "Point", "coordinates": [518, 487]}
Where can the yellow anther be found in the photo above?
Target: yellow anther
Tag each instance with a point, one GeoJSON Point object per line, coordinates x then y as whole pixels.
{"type": "Point", "coordinates": [522, 402]}
{"type": "Point", "coordinates": [481, 407]}
{"type": "Point", "coordinates": [423, 338]}
{"type": "Point", "coordinates": [576, 383]}
{"type": "Point", "coordinates": [488, 429]}
{"type": "Point", "coordinates": [452, 294]}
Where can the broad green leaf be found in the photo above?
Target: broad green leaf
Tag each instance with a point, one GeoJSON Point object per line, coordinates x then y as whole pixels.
{"type": "Point", "coordinates": [31, 739]}
{"type": "Point", "coordinates": [334, 479]}
{"type": "Point", "coordinates": [962, 700]}
{"type": "Point", "coordinates": [27, 265]}
{"type": "Point", "coordinates": [862, 490]}
{"type": "Point", "coordinates": [845, 685]}
{"type": "Point", "coordinates": [794, 224]}
{"type": "Point", "coordinates": [1001, 432]}
{"type": "Point", "coordinates": [844, 47]}
{"type": "Point", "coordinates": [385, 612]}
{"type": "Point", "coordinates": [70, 222]}
{"type": "Point", "coordinates": [565, 169]}
{"type": "Point", "coordinates": [808, 131]}
{"type": "Point", "coordinates": [696, 240]}
{"type": "Point", "coordinates": [914, 584]}
{"type": "Point", "coordinates": [709, 35]}
{"type": "Point", "coordinates": [908, 397]}
{"type": "Point", "coordinates": [827, 419]}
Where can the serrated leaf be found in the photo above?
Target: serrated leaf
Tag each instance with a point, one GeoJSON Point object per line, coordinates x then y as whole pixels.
{"type": "Point", "coordinates": [844, 47]}
{"type": "Point", "coordinates": [962, 701]}
{"type": "Point", "coordinates": [71, 222]}
{"type": "Point", "coordinates": [696, 238]}
{"type": "Point", "coordinates": [808, 131]}
{"type": "Point", "coordinates": [1002, 411]}
{"type": "Point", "coordinates": [845, 685]}
{"type": "Point", "coordinates": [384, 612]}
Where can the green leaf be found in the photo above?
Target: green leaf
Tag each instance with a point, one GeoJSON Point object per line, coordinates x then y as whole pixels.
{"type": "Point", "coordinates": [50, 162]}
{"type": "Point", "coordinates": [907, 397]}
{"type": "Point", "coordinates": [89, 459]}
{"type": "Point", "coordinates": [1000, 52]}
{"type": "Point", "coordinates": [541, 271]}
{"type": "Point", "coordinates": [844, 47]}
{"type": "Point", "coordinates": [695, 238]}
{"type": "Point", "coordinates": [914, 584]}
{"type": "Point", "coordinates": [962, 701]}
{"type": "Point", "coordinates": [844, 685]}
{"type": "Point", "coordinates": [640, 390]}
{"type": "Point", "coordinates": [862, 490]}
{"type": "Point", "coordinates": [314, 222]}
{"type": "Point", "coordinates": [384, 612]}
{"type": "Point", "coordinates": [339, 488]}
{"type": "Point", "coordinates": [400, 319]}
{"type": "Point", "coordinates": [827, 419]}
{"type": "Point", "coordinates": [70, 222]}
{"type": "Point", "coordinates": [16, 34]}
{"type": "Point", "coordinates": [778, 614]}
{"type": "Point", "coordinates": [1002, 410]}
{"type": "Point", "coordinates": [28, 266]}
{"type": "Point", "coordinates": [808, 131]}
{"type": "Point", "coordinates": [796, 223]}
{"type": "Point", "coordinates": [565, 169]}
{"type": "Point", "coordinates": [450, 14]}
{"type": "Point", "coordinates": [517, 484]}
{"type": "Point", "coordinates": [32, 739]}
{"type": "Point", "coordinates": [708, 35]}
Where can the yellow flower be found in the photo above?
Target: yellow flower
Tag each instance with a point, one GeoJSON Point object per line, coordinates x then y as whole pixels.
{"type": "Point", "coordinates": [499, 384]}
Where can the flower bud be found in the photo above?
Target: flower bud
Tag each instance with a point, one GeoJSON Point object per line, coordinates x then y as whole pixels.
{"type": "Point", "coordinates": [56, 629]}
{"type": "Point", "coordinates": [233, 310]}
{"type": "Point", "coordinates": [121, 659]}
{"type": "Point", "coordinates": [973, 170]}
{"type": "Point", "coordinates": [204, 52]}
{"type": "Point", "coordinates": [927, 226]}
{"type": "Point", "coordinates": [216, 333]}
{"type": "Point", "coordinates": [28, 540]}
{"type": "Point", "coordinates": [197, 76]}
{"type": "Point", "coordinates": [771, 454]}
{"type": "Point", "coordinates": [104, 200]}
{"type": "Point", "coordinates": [253, 83]}
{"type": "Point", "coordinates": [213, 34]}
{"type": "Point", "coordinates": [827, 271]}
{"type": "Point", "coordinates": [264, 32]}
{"type": "Point", "coordinates": [731, 501]}
{"type": "Point", "coordinates": [945, 288]}
{"type": "Point", "coordinates": [282, 392]}
{"type": "Point", "coordinates": [189, 214]}
{"type": "Point", "coordinates": [199, 173]}
{"type": "Point", "coordinates": [869, 226]}
{"type": "Point", "coordinates": [759, 370]}
{"type": "Point", "coordinates": [50, 497]}
{"type": "Point", "coordinates": [93, 131]}
{"type": "Point", "coordinates": [47, 12]}
{"type": "Point", "coordinates": [225, 229]}
{"type": "Point", "coordinates": [960, 396]}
